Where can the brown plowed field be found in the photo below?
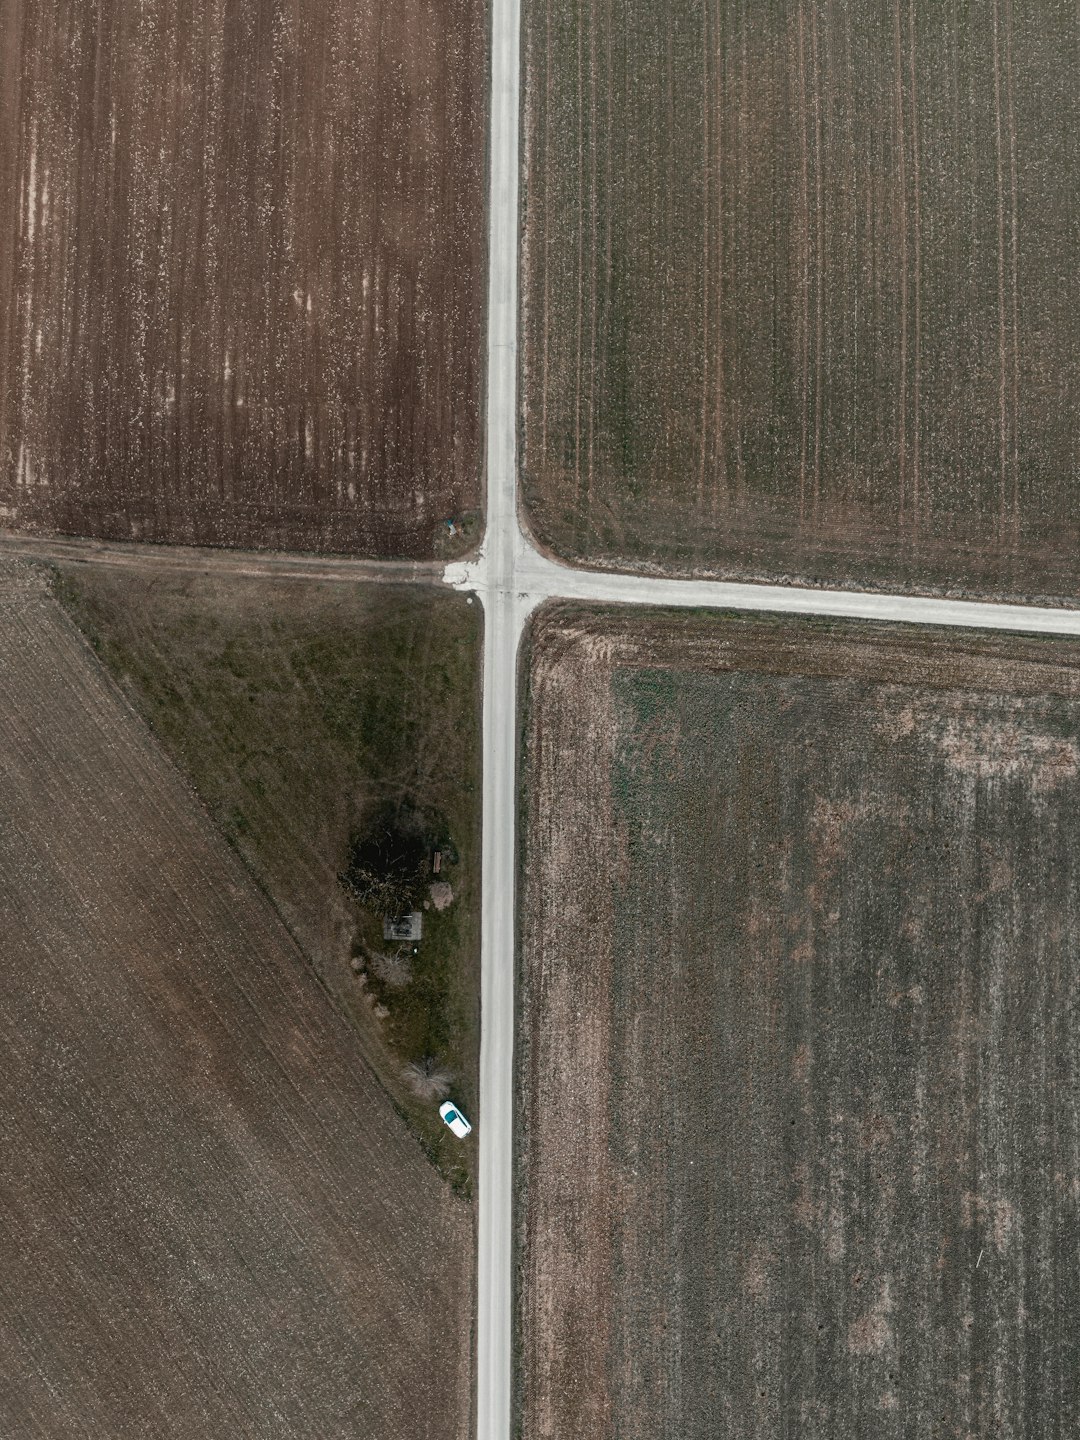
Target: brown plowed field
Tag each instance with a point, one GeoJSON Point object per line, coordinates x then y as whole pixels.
{"type": "Point", "coordinates": [214, 1222]}
{"type": "Point", "coordinates": [241, 270]}
{"type": "Point", "coordinates": [799, 1047]}
{"type": "Point", "coordinates": [801, 291]}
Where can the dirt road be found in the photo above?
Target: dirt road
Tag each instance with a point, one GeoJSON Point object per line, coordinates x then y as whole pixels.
{"type": "Point", "coordinates": [270, 565]}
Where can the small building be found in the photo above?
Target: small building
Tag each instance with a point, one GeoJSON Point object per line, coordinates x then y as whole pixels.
{"type": "Point", "coordinates": [403, 927]}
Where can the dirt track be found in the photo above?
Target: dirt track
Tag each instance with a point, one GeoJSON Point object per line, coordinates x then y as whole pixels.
{"type": "Point", "coordinates": [215, 1222]}
{"type": "Point", "coordinates": [242, 274]}
{"type": "Point", "coordinates": [188, 559]}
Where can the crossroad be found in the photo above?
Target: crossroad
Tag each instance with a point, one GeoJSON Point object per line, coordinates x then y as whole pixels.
{"type": "Point", "coordinates": [511, 578]}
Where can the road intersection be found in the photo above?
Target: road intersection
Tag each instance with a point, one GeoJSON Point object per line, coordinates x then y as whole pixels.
{"type": "Point", "coordinates": [510, 577]}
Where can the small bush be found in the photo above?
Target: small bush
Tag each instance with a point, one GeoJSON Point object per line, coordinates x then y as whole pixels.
{"type": "Point", "coordinates": [429, 1079]}
{"type": "Point", "coordinates": [395, 970]}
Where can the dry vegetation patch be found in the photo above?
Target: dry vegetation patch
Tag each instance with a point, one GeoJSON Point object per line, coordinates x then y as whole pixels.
{"type": "Point", "coordinates": [241, 270]}
{"type": "Point", "coordinates": [799, 1148]}
{"type": "Point", "coordinates": [800, 290]}
{"type": "Point", "coordinates": [215, 1224]}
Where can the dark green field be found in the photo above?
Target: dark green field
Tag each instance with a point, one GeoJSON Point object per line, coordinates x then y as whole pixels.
{"type": "Point", "coordinates": [799, 1053]}
{"type": "Point", "coordinates": [296, 709]}
{"type": "Point", "coordinates": [801, 291]}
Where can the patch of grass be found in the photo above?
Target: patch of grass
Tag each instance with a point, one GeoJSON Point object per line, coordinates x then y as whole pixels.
{"type": "Point", "coordinates": [296, 711]}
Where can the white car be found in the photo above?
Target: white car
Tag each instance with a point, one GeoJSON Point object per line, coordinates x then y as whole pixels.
{"type": "Point", "coordinates": [455, 1119]}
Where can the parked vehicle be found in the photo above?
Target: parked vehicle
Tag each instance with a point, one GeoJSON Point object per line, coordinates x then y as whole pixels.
{"type": "Point", "coordinates": [454, 1118]}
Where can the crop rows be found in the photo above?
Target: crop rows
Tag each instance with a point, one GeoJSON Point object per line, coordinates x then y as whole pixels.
{"type": "Point", "coordinates": [799, 1147]}
{"type": "Point", "coordinates": [799, 289]}
{"type": "Point", "coordinates": [241, 273]}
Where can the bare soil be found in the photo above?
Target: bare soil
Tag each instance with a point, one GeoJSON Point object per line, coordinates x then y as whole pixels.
{"type": "Point", "coordinates": [241, 271]}
{"type": "Point", "coordinates": [799, 291]}
{"type": "Point", "coordinates": [215, 1223]}
{"type": "Point", "coordinates": [799, 1147]}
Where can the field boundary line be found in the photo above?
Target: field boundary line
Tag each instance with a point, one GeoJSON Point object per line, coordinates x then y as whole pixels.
{"type": "Point", "coordinates": [194, 559]}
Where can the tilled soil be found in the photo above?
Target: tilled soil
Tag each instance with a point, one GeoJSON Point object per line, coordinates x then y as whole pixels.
{"type": "Point", "coordinates": [799, 1132]}
{"type": "Point", "coordinates": [800, 291]}
{"type": "Point", "coordinates": [215, 1223]}
{"type": "Point", "coordinates": [241, 272]}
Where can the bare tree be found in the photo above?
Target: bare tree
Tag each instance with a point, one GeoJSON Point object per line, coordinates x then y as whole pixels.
{"type": "Point", "coordinates": [428, 1078]}
{"type": "Point", "coordinates": [394, 970]}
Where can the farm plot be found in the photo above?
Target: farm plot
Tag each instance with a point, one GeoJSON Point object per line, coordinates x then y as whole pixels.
{"type": "Point", "coordinates": [799, 290]}
{"type": "Point", "coordinates": [799, 1145]}
{"type": "Point", "coordinates": [298, 710]}
{"type": "Point", "coordinates": [241, 271]}
{"type": "Point", "coordinates": [215, 1223]}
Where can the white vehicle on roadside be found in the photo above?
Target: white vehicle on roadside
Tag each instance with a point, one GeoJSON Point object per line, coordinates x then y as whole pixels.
{"type": "Point", "coordinates": [454, 1118]}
